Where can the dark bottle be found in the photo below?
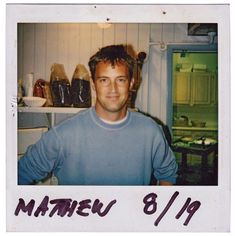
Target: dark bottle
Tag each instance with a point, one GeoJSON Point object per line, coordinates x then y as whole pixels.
{"type": "Point", "coordinates": [60, 86]}
{"type": "Point", "coordinates": [80, 92]}
{"type": "Point", "coordinates": [80, 87]}
{"type": "Point", "coordinates": [61, 96]}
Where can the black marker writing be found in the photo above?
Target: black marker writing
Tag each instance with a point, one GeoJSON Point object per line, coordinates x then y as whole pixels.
{"type": "Point", "coordinates": [97, 206]}
{"type": "Point", "coordinates": [150, 200]}
{"type": "Point", "coordinates": [85, 204]}
{"type": "Point", "coordinates": [150, 207]}
{"type": "Point", "coordinates": [174, 196]}
{"type": "Point", "coordinates": [43, 207]}
{"type": "Point", "coordinates": [25, 208]}
{"type": "Point", "coordinates": [191, 209]}
{"type": "Point", "coordinates": [64, 206]}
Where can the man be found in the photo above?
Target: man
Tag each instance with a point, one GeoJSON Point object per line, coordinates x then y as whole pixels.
{"type": "Point", "coordinates": [106, 144]}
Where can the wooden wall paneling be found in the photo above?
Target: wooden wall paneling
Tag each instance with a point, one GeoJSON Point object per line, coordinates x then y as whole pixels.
{"type": "Point", "coordinates": [167, 37]}
{"type": "Point", "coordinates": [142, 96]}
{"type": "Point", "coordinates": [132, 38]}
{"type": "Point", "coordinates": [28, 48]}
{"type": "Point", "coordinates": [51, 48]}
{"type": "Point", "coordinates": [40, 51]}
{"type": "Point", "coordinates": [168, 32]}
{"type": "Point", "coordinates": [108, 36]}
{"type": "Point", "coordinates": [63, 45]}
{"type": "Point", "coordinates": [30, 53]}
{"type": "Point", "coordinates": [85, 43]}
{"type": "Point", "coordinates": [120, 33]}
{"type": "Point", "coordinates": [20, 51]}
{"type": "Point", "coordinates": [64, 53]}
{"type": "Point", "coordinates": [154, 88]}
{"type": "Point", "coordinates": [180, 33]}
{"type": "Point", "coordinates": [96, 44]}
{"type": "Point", "coordinates": [143, 45]}
{"type": "Point", "coordinates": [155, 32]}
{"type": "Point", "coordinates": [143, 36]}
{"type": "Point", "coordinates": [73, 48]}
{"type": "Point", "coordinates": [96, 39]}
{"type": "Point", "coordinates": [154, 85]}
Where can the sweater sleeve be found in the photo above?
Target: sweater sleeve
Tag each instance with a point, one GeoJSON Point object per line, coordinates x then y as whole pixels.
{"type": "Point", "coordinates": [40, 159]}
{"type": "Point", "coordinates": [164, 161]}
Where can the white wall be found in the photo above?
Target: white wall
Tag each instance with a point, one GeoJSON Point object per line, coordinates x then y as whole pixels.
{"type": "Point", "coordinates": [40, 45]}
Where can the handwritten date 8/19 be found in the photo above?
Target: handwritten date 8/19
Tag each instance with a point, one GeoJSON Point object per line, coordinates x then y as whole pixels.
{"type": "Point", "coordinates": [150, 207]}
{"type": "Point", "coordinates": [66, 207]}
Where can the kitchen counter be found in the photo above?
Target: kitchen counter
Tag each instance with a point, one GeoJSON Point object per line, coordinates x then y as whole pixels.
{"type": "Point", "coordinates": [207, 128]}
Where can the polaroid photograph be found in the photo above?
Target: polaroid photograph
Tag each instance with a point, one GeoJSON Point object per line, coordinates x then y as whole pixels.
{"type": "Point", "coordinates": [118, 118]}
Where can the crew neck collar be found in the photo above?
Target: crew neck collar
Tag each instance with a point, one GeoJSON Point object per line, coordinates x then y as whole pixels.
{"type": "Point", "coordinates": [115, 122]}
{"type": "Point", "coordinates": [109, 125]}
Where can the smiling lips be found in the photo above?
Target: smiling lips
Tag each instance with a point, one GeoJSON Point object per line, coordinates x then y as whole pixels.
{"type": "Point", "coordinates": [112, 97]}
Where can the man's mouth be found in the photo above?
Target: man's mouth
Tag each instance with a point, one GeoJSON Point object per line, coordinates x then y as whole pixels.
{"type": "Point", "coordinates": [113, 97]}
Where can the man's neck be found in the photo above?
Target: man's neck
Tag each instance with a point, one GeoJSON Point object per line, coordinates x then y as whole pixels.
{"type": "Point", "coordinates": [111, 116]}
{"type": "Point", "coordinates": [115, 122]}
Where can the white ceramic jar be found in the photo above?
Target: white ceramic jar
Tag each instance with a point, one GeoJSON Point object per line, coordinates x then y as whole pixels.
{"type": "Point", "coordinates": [29, 84]}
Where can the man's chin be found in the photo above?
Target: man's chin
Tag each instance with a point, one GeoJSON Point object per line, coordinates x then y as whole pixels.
{"type": "Point", "coordinates": [111, 106]}
{"type": "Point", "coordinates": [115, 108]}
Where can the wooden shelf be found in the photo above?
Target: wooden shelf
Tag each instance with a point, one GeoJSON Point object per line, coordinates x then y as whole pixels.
{"type": "Point", "coordinates": [66, 110]}
{"type": "Point", "coordinates": [194, 128]}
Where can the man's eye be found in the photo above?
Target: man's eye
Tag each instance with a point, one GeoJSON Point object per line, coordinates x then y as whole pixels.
{"type": "Point", "coordinates": [121, 80]}
{"type": "Point", "coordinates": [103, 80]}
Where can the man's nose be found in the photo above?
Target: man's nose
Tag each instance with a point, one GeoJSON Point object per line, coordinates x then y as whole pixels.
{"type": "Point", "coordinates": [113, 86]}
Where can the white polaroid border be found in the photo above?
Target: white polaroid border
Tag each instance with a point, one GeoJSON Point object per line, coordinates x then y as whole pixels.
{"type": "Point", "coordinates": [126, 207]}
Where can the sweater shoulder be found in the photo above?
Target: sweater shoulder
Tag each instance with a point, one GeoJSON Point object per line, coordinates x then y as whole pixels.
{"type": "Point", "coordinates": [145, 120]}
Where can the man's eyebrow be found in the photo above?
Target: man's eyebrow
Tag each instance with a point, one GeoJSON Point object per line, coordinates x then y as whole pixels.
{"type": "Point", "coordinates": [100, 77]}
{"type": "Point", "coordinates": [122, 76]}
{"type": "Point", "coordinates": [103, 76]}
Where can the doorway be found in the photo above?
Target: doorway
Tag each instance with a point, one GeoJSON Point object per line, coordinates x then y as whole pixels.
{"type": "Point", "coordinates": [193, 111]}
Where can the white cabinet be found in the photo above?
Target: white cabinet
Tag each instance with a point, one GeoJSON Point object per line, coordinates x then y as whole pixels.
{"type": "Point", "coordinates": [201, 88]}
{"type": "Point", "coordinates": [182, 88]}
{"type": "Point", "coordinates": [194, 88]}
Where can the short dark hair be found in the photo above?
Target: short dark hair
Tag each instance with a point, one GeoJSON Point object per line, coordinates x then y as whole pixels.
{"type": "Point", "coordinates": [112, 54]}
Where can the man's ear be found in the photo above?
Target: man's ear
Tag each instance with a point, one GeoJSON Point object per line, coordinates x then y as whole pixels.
{"type": "Point", "coordinates": [131, 85]}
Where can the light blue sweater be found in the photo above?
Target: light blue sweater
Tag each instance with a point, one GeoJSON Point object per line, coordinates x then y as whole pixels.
{"type": "Point", "coordinates": [84, 150]}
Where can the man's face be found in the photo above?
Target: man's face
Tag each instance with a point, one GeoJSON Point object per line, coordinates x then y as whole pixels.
{"type": "Point", "coordinates": [112, 85]}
